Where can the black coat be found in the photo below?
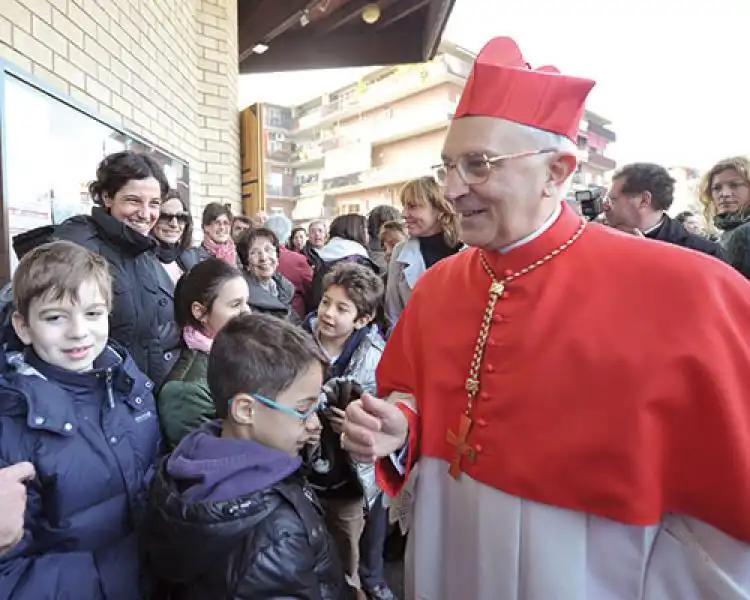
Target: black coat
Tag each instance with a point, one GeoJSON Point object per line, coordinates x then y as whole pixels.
{"type": "Point", "coordinates": [672, 232]}
{"type": "Point", "coordinates": [142, 316]}
{"type": "Point", "coordinates": [270, 544]}
{"type": "Point", "coordinates": [264, 302]}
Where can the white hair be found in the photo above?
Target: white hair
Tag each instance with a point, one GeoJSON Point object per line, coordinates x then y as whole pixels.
{"type": "Point", "coordinates": [547, 139]}
{"type": "Point", "coordinates": [281, 226]}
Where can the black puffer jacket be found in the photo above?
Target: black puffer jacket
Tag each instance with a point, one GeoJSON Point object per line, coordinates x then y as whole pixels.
{"type": "Point", "coordinates": [672, 232]}
{"type": "Point", "coordinates": [142, 316]}
{"type": "Point", "coordinates": [203, 542]}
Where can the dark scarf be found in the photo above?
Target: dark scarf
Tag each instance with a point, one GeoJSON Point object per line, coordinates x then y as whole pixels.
{"type": "Point", "coordinates": [125, 238]}
{"type": "Point", "coordinates": [167, 253]}
{"type": "Point", "coordinates": [729, 221]}
{"type": "Point", "coordinates": [434, 248]}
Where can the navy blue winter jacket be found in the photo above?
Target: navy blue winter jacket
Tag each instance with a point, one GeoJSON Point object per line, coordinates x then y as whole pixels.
{"type": "Point", "coordinates": [93, 438]}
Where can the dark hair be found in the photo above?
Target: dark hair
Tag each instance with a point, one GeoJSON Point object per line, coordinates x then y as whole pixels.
{"type": "Point", "coordinates": [57, 270]}
{"type": "Point", "coordinates": [258, 354]}
{"type": "Point", "coordinates": [684, 216]}
{"type": "Point", "coordinates": [117, 169]}
{"type": "Point", "coordinates": [363, 287]}
{"type": "Point", "coordinates": [380, 215]}
{"type": "Point", "coordinates": [290, 241]}
{"type": "Point", "coordinates": [349, 227]}
{"type": "Point", "coordinates": [213, 211]}
{"type": "Point", "coordinates": [201, 284]}
{"type": "Point", "coordinates": [187, 235]}
{"type": "Point", "coordinates": [248, 238]}
{"type": "Point", "coordinates": [648, 177]}
{"type": "Point", "coordinates": [242, 219]}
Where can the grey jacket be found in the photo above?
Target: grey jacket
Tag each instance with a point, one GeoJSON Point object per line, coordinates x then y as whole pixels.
{"type": "Point", "coordinates": [406, 266]}
{"type": "Point", "coordinates": [362, 369]}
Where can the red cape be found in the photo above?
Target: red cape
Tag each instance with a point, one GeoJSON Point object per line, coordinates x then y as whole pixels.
{"type": "Point", "coordinates": [615, 380]}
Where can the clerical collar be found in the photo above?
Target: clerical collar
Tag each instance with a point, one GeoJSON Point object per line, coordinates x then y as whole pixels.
{"type": "Point", "coordinates": [653, 228]}
{"type": "Point", "coordinates": [535, 234]}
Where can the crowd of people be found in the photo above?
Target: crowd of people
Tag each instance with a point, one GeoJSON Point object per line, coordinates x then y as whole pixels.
{"type": "Point", "coordinates": [515, 385]}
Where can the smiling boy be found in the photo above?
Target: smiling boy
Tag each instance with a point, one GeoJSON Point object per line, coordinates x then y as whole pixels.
{"type": "Point", "coordinates": [78, 409]}
{"type": "Point", "coordinates": [343, 329]}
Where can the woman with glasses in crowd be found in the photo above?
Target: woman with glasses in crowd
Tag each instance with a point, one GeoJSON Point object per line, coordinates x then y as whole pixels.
{"type": "Point", "coordinates": [174, 235]}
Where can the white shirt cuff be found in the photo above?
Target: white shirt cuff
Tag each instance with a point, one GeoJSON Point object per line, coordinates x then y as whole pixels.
{"type": "Point", "coordinates": [399, 459]}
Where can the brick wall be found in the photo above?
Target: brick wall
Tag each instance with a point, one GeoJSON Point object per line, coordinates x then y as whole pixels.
{"type": "Point", "coordinates": [163, 69]}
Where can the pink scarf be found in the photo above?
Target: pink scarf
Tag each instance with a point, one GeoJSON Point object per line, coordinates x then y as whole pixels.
{"type": "Point", "coordinates": [226, 252]}
{"type": "Point", "coordinates": [196, 340]}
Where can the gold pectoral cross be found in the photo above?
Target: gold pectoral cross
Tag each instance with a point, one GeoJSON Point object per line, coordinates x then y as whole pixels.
{"type": "Point", "coordinates": [460, 443]}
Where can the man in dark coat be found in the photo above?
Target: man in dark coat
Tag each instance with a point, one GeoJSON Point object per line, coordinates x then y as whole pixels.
{"type": "Point", "coordinates": [638, 200]}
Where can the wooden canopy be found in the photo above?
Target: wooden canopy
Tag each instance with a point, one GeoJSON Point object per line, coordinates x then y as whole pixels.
{"type": "Point", "coordinates": [286, 35]}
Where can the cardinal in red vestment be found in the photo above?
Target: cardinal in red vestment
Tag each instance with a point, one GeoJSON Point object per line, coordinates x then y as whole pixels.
{"type": "Point", "coordinates": [568, 435]}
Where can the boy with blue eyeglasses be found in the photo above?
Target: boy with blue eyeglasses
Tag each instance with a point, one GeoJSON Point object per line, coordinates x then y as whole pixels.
{"type": "Point", "coordinates": [230, 514]}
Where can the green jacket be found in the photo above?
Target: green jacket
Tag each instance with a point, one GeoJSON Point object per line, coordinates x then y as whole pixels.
{"type": "Point", "coordinates": [184, 402]}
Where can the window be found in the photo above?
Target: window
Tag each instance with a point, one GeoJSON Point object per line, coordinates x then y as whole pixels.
{"type": "Point", "coordinates": [51, 151]}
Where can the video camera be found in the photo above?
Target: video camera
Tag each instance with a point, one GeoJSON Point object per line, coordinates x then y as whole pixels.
{"type": "Point", "coordinates": [591, 202]}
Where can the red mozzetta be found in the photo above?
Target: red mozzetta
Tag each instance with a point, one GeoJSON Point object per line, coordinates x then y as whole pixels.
{"type": "Point", "coordinates": [584, 403]}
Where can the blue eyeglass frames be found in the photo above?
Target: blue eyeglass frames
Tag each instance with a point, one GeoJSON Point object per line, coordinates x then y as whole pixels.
{"type": "Point", "coordinates": [304, 416]}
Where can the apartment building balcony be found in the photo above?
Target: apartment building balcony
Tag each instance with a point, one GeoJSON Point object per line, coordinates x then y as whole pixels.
{"type": "Point", "coordinates": [307, 209]}
{"type": "Point", "coordinates": [277, 190]}
{"type": "Point", "coordinates": [601, 131]}
{"type": "Point", "coordinates": [372, 178]}
{"type": "Point", "coordinates": [398, 125]}
{"type": "Point", "coordinates": [405, 82]}
{"type": "Point", "coordinates": [279, 150]}
{"type": "Point", "coordinates": [600, 162]}
{"type": "Point", "coordinates": [311, 188]}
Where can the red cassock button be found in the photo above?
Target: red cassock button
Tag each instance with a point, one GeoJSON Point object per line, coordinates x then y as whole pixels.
{"type": "Point", "coordinates": [484, 396]}
{"type": "Point", "coordinates": [498, 318]}
{"type": "Point", "coordinates": [478, 449]}
{"type": "Point", "coordinates": [505, 295]}
{"type": "Point", "coordinates": [481, 423]}
{"type": "Point", "coordinates": [508, 272]}
{"type": "Point", "coordinates": [491, 343]}
{"type": "Point", "coordinates": [490, 369]}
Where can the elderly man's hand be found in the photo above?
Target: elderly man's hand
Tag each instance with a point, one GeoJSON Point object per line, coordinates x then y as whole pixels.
{"type": "Point", "coordinates": [373, 428]}
{"type": "Point", "coordinates": [13, 503]}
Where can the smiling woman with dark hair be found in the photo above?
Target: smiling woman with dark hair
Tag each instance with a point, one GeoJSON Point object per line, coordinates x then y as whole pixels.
{"type": "Point", "coordinates": [128, 193]}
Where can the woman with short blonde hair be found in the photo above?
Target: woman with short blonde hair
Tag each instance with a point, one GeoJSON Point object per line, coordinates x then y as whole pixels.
{"type": "Point", "coordinates": [433, 227]}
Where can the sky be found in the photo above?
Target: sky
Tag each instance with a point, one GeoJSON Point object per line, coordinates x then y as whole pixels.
{"type": "Point", "coordinates": [670, 73]}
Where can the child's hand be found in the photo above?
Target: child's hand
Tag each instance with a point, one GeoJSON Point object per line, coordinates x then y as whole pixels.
{"type": "Point", "coordinates": [336, 418]}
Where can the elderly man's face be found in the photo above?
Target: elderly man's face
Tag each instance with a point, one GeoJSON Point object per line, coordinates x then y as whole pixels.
{"type": "Point", "coordinates": [519, 194]}
{"type": "Point", "coordinates": [317, 234]}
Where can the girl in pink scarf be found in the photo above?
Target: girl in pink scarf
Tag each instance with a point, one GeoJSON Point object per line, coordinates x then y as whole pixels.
{"type": "Point", "coordinates": [206, 297]}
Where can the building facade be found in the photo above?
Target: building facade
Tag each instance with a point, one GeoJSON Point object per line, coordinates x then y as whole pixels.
{"type": "Point", "coordinates": [82, 78]}
{"type": "Point", "coordinates": [353, 148]}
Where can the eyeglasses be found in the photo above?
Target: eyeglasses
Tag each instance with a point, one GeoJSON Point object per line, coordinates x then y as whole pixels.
{"type": "Point", "coordinates": [475, 169]}
{"type": "Point", "coordinates": [169, 217]}
{"type": "Point", "coordinates": [257, 253]}
{"type": "Point", "coordinates": [303, 416]}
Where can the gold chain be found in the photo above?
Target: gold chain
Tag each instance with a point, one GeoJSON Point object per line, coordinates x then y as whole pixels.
{"type": "Point", "coordinates": [497, 287]}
